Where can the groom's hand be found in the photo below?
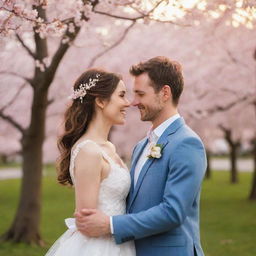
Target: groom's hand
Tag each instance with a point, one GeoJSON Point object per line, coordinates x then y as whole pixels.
{"type": "Point", "coordinates": [92, 222]}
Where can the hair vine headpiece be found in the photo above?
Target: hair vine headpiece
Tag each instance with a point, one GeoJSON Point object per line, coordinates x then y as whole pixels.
{"type": "Point", "coordinates": [83, 88]}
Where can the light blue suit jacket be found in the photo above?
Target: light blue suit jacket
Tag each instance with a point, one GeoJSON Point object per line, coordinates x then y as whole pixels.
{"type": "Point", "coordinates": [163, 209]}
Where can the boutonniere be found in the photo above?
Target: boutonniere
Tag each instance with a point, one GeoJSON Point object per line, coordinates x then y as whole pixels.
{"type": "Point", "coordinates": [155, 151]}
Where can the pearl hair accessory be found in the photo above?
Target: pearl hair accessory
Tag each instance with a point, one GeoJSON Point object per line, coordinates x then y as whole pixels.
{"type": "Point", "coordinates": [83, 88]}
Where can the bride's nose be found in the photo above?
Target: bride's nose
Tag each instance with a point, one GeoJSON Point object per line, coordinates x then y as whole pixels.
{"type": "Point", "coordinates": [127, 103]}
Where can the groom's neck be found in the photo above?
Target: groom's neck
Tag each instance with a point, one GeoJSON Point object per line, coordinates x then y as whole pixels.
{"type": "Point", "coordinates": [163, 116]}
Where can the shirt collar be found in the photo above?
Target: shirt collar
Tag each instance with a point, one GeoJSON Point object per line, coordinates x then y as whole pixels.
{"type": "Point", "coordinates": [159, 130]}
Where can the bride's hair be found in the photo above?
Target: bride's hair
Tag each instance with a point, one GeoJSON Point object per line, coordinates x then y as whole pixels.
{"type": "Point", "coordinates": [79, 114]}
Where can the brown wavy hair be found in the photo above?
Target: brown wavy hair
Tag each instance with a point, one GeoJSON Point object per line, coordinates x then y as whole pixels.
{"type": "Point", "coordinates": [79, 114]}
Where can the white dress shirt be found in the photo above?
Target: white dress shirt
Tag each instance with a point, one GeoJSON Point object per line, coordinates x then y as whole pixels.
{"type": "Point", "coordinates": [153, 136]}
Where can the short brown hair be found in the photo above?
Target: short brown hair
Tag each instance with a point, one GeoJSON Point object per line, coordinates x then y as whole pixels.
{"type": "Point", "coordinates": [162, 71]}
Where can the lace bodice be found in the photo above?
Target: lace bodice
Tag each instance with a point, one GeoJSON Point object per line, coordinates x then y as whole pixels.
{"type": "Point", "coordinates": [113, 189]}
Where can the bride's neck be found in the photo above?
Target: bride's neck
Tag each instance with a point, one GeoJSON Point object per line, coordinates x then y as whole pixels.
{"type": "Point", "coordinates": [98, 129]}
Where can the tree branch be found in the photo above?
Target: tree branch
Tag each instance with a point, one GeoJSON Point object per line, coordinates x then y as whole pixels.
{"type": "Point", "coordinates": [142, 15]}
{"type": "Point", "coordinates": [224, 108]}
{"type": "Point", "coordinates": [171, 22]}
{"type": "Point", "coordinates": [224, 129]}
{"type": "Point", "coordinates": [13, 98]}
{"type": "Point", "coordinates": [29, 80]}
{"type": "Point", "coordinates": [11, 121]}
{"type": "Point", "coordinates": [59, 54]}
{"type": "Point", "coordinates": [50, 101]}
{"type": "Point", "coordinates": [164, 21]}
{"type": "Point", "coordinates": [63, 47]}
{"type": "Point", "coordinates": [199, 114]}
{"type": "Point", "coordinates": [119, 17]}
{"type": "Point", "coordinates": [32, 54]}
{"type": "Point", "coordinates": [235, 60]}
{"type": "Point", "coordinates": [13, 12]}
{"type": "Point", "coordinates": [228, 136]}
{"type": "Point", "coordinates": [91, 63]}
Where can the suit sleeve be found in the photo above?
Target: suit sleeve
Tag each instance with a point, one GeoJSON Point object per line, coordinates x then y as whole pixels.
{"type": "Point", "coordinates": [187, 166]}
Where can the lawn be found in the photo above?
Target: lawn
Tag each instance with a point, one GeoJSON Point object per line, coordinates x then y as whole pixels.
{"type": "Point", "coordinates": [228, 219]}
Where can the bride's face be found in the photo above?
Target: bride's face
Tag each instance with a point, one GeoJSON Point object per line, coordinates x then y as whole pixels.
{"type": "Point", "coordinates": [115, 109]}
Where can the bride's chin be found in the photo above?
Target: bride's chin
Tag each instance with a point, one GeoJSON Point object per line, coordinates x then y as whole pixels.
{"type": "Point", "coordinates": [120, 122]}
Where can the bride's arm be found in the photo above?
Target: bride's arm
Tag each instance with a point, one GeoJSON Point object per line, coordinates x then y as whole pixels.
{"type": "Point", "coordinates": [87, 172]}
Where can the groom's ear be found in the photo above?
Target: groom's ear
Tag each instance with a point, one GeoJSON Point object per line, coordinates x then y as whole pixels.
{"type": "Point", "coordinates": [166, 92]}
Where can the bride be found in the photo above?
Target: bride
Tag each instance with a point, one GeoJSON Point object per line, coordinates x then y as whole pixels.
{"type": "Point", "coordinates": [89, 162]}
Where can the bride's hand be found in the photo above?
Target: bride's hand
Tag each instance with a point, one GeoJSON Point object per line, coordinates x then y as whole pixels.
{"type": "Point", "coordinates": [92, 222]}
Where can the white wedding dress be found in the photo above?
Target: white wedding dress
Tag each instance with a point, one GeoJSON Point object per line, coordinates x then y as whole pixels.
{"type": "Point", "coordinates": [112, 198]}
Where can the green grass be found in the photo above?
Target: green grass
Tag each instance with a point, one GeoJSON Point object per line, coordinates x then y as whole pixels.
{"type": "Point", "coordinates": [9, 165]}
{"type": "Point", "coordinates": [58, 204]}
{"type": "Point", "coordinates": [228, 219]}
{"type": "Point", "coordinates": [15, 165]}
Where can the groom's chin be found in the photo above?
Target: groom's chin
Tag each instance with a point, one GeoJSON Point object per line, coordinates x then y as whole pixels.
{"type": "Point", "coordinates": [144, 118]}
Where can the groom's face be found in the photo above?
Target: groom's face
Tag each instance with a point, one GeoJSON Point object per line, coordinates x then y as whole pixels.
{"type": "Point", "coordinates": [146, 99]}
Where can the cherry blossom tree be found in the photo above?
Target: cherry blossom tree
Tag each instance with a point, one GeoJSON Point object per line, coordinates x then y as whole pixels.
{"type": "Point", "coordinates": [252, 195]}
{"type": "Point", "coordinates": [235, 77]}
{"type": "Point", "coordinates": [35, 23]}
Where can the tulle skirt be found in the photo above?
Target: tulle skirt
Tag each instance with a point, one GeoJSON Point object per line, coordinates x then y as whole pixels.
{"type": "Point", "coordinates": [74, 243]}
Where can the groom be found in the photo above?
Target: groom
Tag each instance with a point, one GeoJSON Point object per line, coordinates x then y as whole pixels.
{"type": "Point", "coordinates": [163, 203]}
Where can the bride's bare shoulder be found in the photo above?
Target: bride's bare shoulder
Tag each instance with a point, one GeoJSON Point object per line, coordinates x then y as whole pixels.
{"type": "Point", "coordinates": [88, 158]}
{"type": "Point", "coordinates": [87, 148]}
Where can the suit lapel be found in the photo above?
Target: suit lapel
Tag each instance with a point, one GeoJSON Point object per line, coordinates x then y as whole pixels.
{"type": "Point", "coordinates": [163, 141]}
{"type": "Point", "coordinates": [135, 159]}
{"type": "Point", "coordinates": [143, 172]}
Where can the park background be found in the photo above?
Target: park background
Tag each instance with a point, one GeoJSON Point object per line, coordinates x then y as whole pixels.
{"type": "Point", "coordinates": [46, 45]}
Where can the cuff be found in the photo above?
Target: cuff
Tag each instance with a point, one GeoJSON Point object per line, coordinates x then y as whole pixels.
{"type": "Point", "coordinates": [111, 225]}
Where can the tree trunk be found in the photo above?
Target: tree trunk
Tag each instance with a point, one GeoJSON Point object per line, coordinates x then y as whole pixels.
{"type": "Point", "coordinates": [25, 227]}
{"type": "Point", "coordinates": [233, 148]}
{"type": "Point", "coordinates": [208, 173]}
{"type": "Point", "coordinates": [3, 159]}
{"type": "Point", "coordinates": [233, 162]}
{"type": "Point", "coordinates": [252, 195]}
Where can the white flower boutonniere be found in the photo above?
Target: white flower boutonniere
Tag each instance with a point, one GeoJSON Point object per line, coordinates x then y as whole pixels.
{"type": "Point", "coordinates": [155, 151]}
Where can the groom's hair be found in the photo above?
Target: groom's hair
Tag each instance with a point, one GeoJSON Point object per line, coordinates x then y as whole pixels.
{"type": "Point", "coordinates": [162, 71]}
